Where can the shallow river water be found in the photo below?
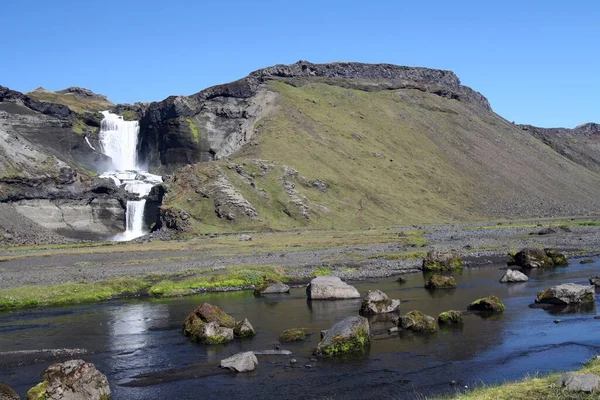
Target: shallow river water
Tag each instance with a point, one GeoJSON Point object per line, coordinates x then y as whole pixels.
{"type": "Point", "coordinates": [138, 343]}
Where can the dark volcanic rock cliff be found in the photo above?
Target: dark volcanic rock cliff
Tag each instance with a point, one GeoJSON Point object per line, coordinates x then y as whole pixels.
{"type": "Point", "coordinates": [218, 121]}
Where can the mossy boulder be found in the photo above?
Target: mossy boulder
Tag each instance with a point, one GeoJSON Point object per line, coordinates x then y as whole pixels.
{"type": "Point", "coordinates": [377, 302]}
{"type": "Point", "coordinates": [71, 380]}
{"type": "Point", "coordinates": [438, 261]}
{"type": "Point", "coordinates": [567, 293]}
{"type": "Point", "coordinates": [416, 321]}
{"type": "Point", "coordinates": [271, 287]}
{"type": "Point", "coordinates": [209, 324]}
{"type": "Point", "coordinates": [440, 282]}
{"type": "Point", "coordinates": [294, 334]}
{"type": "Point", "coordinates": [450, 317]}
{"type": "Point", "coordinates": [352, 334]}
{"type": "Point", "coordinates": [491, 304]}
{"type": "Point", "coordinates": [538, 258]}
{"type": "Point", "coordinates": [244, 328]}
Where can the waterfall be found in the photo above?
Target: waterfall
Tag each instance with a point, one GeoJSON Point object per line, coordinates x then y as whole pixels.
{"type": "Point", "coordinates": [118, 139]}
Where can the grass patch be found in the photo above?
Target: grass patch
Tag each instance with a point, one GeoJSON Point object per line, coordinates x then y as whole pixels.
{"type": "Point", "coordinates": [323, 271]}
{"type": "Point", "coordinates": [193, 129]}
{"type": "Point", "coordinates": [410, 255]}
{"type": "Point", "coordinates": [532, 388]}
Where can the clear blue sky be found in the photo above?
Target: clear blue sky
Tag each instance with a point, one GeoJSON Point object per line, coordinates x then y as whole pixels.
{"type": "Point", "coordinates": [537, 62]}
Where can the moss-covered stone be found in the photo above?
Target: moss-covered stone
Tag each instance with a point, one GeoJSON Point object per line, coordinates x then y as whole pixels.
{"type": "Point", "coordinates": [38, 392]}
{"type": "Point", "coordinates": [558, 259]}
{"type": "Point", "coordinates": [440, 282]}
{"type": "Point", "coordinates": [352, 334]}
{"type": "Point", "coordinates": [487, 304]}
{"type": "Point", "coordinates": [416, 321]}
{"type": "Point", "coordinates": [439, 262]}
{"type": "Point", "coordinates": [566, 294]}
{"type": "Point", "coordinates": [195, 323]}
{"type": "Point", "coordinates": [450, 317]}
{"type": "Point", "coordinates": [294, 334]}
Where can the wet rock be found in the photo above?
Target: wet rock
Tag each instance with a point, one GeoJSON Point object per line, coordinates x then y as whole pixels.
{"type": "Point", "coordinates": [377, 302]}
{"type": "Point", "coordinates": [401, 280]}
{"type": "Point", "coordinates": [567, 293]}
{"type": "Point", "coordinates": [595, 280]}
{"type": "Point", "coordinates": [440, 282]}
{"type": "Point", "coordinates": [487, 304]}
{"type": "Point", "coordinates": [209, 324]}
{"type": "Point", "coordinates": [293, 361]}
{"type": "Point", "coordinates": [579, 382]}
{"type": "Point", "coordinates": [437, 261]}
{"type": "Point", "coordinates": [416, 321]}
{"type": "Point", "coordinates": [349, 335]}
{"type": "Point", "coordinates": [245, 238]}
{"type": "Point", "coordinates": [393, 330]}
{"type": "Point", "coordinates": [273, 289]}
{"type": "Point", "coordinates": [513, 276]}
{"type": "Point", "coordinates": [71, 380]}
{"type": "Point", "coordinates": [273, 352]}
{"type": "Point", "coordinates": [241, 362]}
{"type": "Point", "coordinates": [450, 317]}
{"type": "Point", "coordinates": [6, 393]}
{"type": "Point", "coordinates": [330, 288]}
{"type": "Point", "coordinates": [294, 334]}
{"type": "Point", "coordinates": [244, 328]}
{"type": "Point", "coordinates": [538, 258]}
{"type": "Point", "coordinates": [586, 261]}
{"type": "Point", "coordinates": [323, 333]}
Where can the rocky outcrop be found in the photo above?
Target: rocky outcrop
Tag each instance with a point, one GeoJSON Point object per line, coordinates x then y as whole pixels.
{"type": "Point", "coordinates": [416, 321]}
{"type": "Point", "coordinates": [538, 258]}
{"type": "Point", "coordinates": [440, 282]}
{"type": "Point", "coordinates": [513, 276]}
{"type": "Point", "coordinates": [567, 293]}
{"type": "Point", "coordinates": [71, 380]}
{"type": "Point", "coordinates": [209, 324]}
{"type": "Point", "coordinates": [349, 335]}
{"type": "Point", "coordinates": [490, 304]}
{"type": "Point", "coordinates": [436, 261]}
{"type": "Point", "coordinates": [377, 302]}
{"type": "Point", "coordinates": [241, 362]}
{"type": "Point", "coordinates": [330, 288]}
{"type": "Point", "coordinates": [294, 334]}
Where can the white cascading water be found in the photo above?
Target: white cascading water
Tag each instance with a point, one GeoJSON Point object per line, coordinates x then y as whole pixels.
{"type": "Point", "coordinates": [119, 141]}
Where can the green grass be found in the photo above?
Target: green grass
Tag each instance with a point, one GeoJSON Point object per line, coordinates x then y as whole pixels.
{"type": "Point", "coordinates": [410, 255]}
{"type": "Point", "coordinates": [532, 388]}
{"type": "Point", "coordinates": [74, 102]}
{"type": "Point", "coordinates": [323, 271]}
{"type": "Point", "coordinates": [193, 129]}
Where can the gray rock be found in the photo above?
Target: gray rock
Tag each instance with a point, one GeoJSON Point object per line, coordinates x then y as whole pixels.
{"type": "Point", "coordinates": [245, 238]}
{"type": "Point", "coordinates": [349, 335]}
{"type": "Point", "coordinates": [567, 293]}
{"type": "Point", "coordinates": [273, 353]}
{"type": "Point", "coordinates": [244, 328]}
{"type": "Point", "coordinates": [330, 288]}
{"type": "Point", "coordinates": [276, 288]}
{"type": "Point", "coordinates": [377, 302]}
{"type": "Point", "coordinates": [513, 276]}
{"type": "Point", "coordinates": [6, 393]}
{"type": "Point", "coordinates": [323, 333]}
{"type": "Point", "coordinates": [595, 280]}
{"type": "Point", "coordinates": [212, 333]}
{"type": "Point", "coordinates": [241, 362]}
{"type": "Point", "coordinates": [71, 380]}
{"type": "Point", "coordinates": [580, 382]}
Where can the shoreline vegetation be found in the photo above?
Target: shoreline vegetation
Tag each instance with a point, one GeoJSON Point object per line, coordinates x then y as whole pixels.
{"type": "Point", "coordinates": [536, 387]}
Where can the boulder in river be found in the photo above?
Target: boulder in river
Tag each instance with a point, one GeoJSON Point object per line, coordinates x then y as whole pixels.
{"type": "Point", "coordinates": [538, 258]}
{"type": "Point", "coordinates": [586, 261]}
{"type": "Point", "coordinates": [377, 302]}
{"type": "Point", "coordinates": [512, 275]}
{"type": "Point", "coordinates": [440, 282]}
{"type": "Point", "coordinates": [273, 289]}
{"type": "Point", "coordinates": [330, 288]}
{"type": "Point", "coordinates": [244, 328]}
{"type": "Point", "coordinates": [450, 317]}
{"type": "Point", "coordinates": [491, 304]}
{"type": "Point", "coordinates": [6, 393]}
{"type": "Point", "coordinates": [349, 335]}
{"type": "Point", "coordinates": [71, 380]}
{"type": "Point", "coordinates": [212, 333]}
{"type": "Point", "coordinates": [567, 293]}
{"type": "Point", "coordinates": [416, 321]}
{"type": "Point", "coordinates": [241, 362]}
{"type": "Point", "coordinates": [294, 334]}
{"type": "Point", "coordinates": [595, 280]}
{"type": "Point", "coordinates": [575, 382]}
{"type": "Point", "coordinates": [436, 261]}
{"type": "Point", "coordinates": [209, 324]}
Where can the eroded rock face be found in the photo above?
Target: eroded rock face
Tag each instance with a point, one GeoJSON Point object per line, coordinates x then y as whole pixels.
{"type": "Point", "coordinates": [71, 380]}
{"type": "Point", "coordinates": [416, 321]}
{"type": "Point", "coordinates": [377, 302]}
{"type": "Point", "coordinates": [513, 276]}
{"type": "Point", "coordinates": [241, 362]}
{"type": "Point", "coordinates": [438, 262]}
{"type": "Point", "coordinates": [330, 288]}
{"type": "Point", "coordinates": [490, 304]}
{"type": "Point", "coordinates": [575, 382]}
{"type": "Point", "coordinates": [567, 293]}
{"type": "Point", "coordinates": [349, 335]}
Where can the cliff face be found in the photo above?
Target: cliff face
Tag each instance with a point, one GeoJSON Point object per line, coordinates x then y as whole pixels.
{"type": "Point", "coordinates": [218, 121]}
